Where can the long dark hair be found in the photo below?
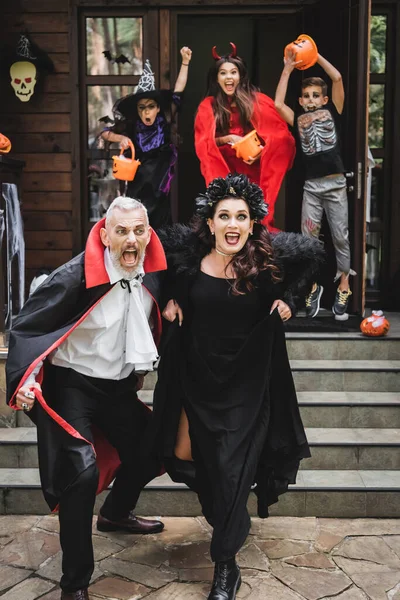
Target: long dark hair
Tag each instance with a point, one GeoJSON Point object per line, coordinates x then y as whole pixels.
{"type": "Point", "coordinates": [244, 95]}
{"type": "Point", "coordinates": [255, 256]}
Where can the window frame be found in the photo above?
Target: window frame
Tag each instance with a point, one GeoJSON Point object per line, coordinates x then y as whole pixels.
{"type": "Point", "coordinates": [150, 32]}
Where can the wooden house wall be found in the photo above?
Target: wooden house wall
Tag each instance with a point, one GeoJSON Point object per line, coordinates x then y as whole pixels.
{"type": "Point", "coordinates": [40, 133]}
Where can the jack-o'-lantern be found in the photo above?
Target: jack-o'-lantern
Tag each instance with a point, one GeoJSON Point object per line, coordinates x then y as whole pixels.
{"type": "Point", "coordinates": [125, 168]}
{"type": "Point", "coordinates": [248, 147]}
{"type": "Point", "coordinates": [305, 50]}
{"type": "Point", "coordinates": [5, 144]}
{"type": "Point", "coordinates": [376, 325]}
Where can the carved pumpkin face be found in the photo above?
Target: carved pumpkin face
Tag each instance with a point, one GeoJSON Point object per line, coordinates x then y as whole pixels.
{"type": "Point", "coordinates": [125, 168]}
{"type": "Point", "coordinates": [375, 326]}
{"type": "Point", "coordinates": [305, 50]}
{"type": "Point", "coordinates": [23, 79]}
{"type": "Point", "coordinates": [5, 144]}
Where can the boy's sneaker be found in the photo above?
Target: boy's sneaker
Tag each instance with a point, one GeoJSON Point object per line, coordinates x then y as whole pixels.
{"type": "Point", "coordinates": [312, 302]}
{"type": "Point", "coordinates": [339, 307]}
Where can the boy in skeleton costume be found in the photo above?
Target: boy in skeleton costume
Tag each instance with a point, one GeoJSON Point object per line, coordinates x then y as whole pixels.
{"type": "Point", "coordinates": [316, 126]}
{"type": "Point", "coordinates": [147, 119]}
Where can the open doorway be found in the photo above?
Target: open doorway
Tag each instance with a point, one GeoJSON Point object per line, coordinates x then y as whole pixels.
{"type": "Point", "coordinates": [340, 29]}
{"type": "Point", "coordinates": [260, 40]}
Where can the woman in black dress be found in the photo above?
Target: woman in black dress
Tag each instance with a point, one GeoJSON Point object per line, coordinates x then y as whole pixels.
{"type": "Point", "coordinates": [225, 408]}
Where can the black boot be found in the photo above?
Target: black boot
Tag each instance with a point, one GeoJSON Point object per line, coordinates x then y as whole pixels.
{"type": "Point", "coordinates": [226, 581]}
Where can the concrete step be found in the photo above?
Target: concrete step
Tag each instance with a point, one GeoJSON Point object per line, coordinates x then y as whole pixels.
{"type": "Point", "coordinates": [338, 409]}
{"type": "Point", "coordinates": [336, 375]}
{"type": "Point", "coordinates": [341, 346]}
{"type": "Point", "coordinates": [331, 448]}
{"type": "Point", "coordinates": [345, 494]}
{"type": "Point", "coordinates": [346, 375]}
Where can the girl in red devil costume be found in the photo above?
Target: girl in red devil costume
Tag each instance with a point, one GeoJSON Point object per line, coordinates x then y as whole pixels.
{"type": "Point", "coordinates": [232, 108]}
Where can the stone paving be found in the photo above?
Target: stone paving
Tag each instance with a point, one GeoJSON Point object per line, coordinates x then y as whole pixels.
{"type": "Point", "coordinates": [284, 558]}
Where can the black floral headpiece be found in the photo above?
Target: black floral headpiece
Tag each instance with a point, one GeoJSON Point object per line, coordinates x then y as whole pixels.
{"type": "Point", "coordinates": [232, 186]}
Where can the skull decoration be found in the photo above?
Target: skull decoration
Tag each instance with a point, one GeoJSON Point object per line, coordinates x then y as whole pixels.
{"type": "Point", "coordinates": [23, 79]}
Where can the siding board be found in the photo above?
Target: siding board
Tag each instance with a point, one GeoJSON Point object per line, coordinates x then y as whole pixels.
{"type": "Point", "coordinates": [40, 142]}
{"type": "Point", "coordinates": [40, 103]}
{"type": "Point", "coordinates": [49, 163]}
{"type": "Point", "coordinates": [46, 201]}
{"type": "Point", "coordinates": [57, 83]}
{"type": "Point", "coordinates": [36, 123]}
{"type": "Point", "coordinates": [38, 23]}
{"type": "Point", "coordinates": [46, 182]}
{"type": "Point", "coordinates": [45, 221]}
{"type": "Point", "coordinates": [47, 258]}
{"type": "Point", "coordinates": [48, 240]}
{"type": "Point", "coordinates": [52, 42]}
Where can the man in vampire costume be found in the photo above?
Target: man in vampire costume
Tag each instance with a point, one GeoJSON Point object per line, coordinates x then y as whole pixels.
{"type": "Point", "coordinates": [77, 355]}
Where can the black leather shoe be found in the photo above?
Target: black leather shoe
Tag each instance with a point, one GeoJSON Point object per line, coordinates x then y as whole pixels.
{"type": "Point", "coordinates": [227, 581]}
{"type": "Point", "coordinates": [78, 595]}
{"type": "Point", "coordinates": [131, 524]}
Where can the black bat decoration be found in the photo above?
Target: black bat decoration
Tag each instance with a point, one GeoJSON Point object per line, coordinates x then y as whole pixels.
{"type": "Point", "coordinates": [122, 59]}
{"type": "Point", "coordinates": [106, 119]}
{"type": "Point", "coordinates": [107, 54]}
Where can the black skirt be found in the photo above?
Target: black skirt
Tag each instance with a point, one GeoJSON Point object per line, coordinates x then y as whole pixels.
{"type": "Point", "coordinates": [228, 367]}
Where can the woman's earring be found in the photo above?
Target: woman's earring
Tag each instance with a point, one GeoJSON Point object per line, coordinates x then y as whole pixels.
{"type": "Point", "coordinates": [251, 233]}
{"type": "Point", "coordinates": [212, 233]}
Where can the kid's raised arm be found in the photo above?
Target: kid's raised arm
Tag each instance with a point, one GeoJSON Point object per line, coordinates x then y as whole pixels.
{"type": "Point", "coordinates": [283, 109]}
{"type": "Point", "coordinates": [181, 80]}
{"type": "Point", "coordinates": [337, 83]}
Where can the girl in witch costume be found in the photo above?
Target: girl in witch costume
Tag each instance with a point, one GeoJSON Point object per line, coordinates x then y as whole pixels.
{"type": "Point", "coordinates": [146, 118]}
{"type": "Point", "coordinates": [225, 407]}
{"type": "Point", "coordinates": [233, 107]}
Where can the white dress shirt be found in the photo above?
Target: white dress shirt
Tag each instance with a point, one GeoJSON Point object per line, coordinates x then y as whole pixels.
{"type": "Point", "coordinates": [115, 338]}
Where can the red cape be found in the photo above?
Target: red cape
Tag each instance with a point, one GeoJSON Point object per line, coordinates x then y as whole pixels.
{"type": "Point", "coordinates": [276, 157]}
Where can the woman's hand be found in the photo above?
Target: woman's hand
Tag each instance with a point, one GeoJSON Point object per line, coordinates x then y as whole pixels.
{"type": "Point", "coordinates": [124, 142]}
{"type": "Point", "coordinates": [283, 309]}
{"type": "Point", "coordinates": [253, 159]}
{"type": "Point", "coordinates": [186, 54]}
{"type": "Point", "coordinates": [25, 398]}
{"type": "Point", "coordinates": [171, 311]}
{"type": "Point", "coordinates": [233, 139]}
{"type": "Point", "coordinates": [228, 139]}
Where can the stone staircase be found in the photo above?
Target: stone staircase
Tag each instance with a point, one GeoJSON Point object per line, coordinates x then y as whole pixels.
{"type": "Point", "coordinates": [349, 395]}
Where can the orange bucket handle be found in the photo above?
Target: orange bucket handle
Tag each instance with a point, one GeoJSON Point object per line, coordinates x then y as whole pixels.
{"type": "Point", "coordinates": [132, 147]}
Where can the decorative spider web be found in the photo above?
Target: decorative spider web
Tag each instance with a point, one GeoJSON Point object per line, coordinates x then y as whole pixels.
{"type": "Point", "coordinates": [23, 47]}
{"type": "Point", "coordinates": [146, 82]}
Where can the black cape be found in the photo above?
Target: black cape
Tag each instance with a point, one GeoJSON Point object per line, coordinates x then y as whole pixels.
{"type": "Point", "coordinates": [244, 423]}
{"type": "Point", "coordinates": [51, 313]}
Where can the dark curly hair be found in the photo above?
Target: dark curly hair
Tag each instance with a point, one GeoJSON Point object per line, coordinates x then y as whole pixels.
{"type": "Point", "coordinates": [257, 253]}
{"type": "Point", "coordinates": [234, 185]}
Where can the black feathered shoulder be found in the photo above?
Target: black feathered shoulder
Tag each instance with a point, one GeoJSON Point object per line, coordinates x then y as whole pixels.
{"type": "Point", "coordinates": [299, 258]}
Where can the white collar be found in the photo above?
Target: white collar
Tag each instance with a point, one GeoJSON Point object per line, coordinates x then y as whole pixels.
{"type": "Point", "coordinates": [113, 274]}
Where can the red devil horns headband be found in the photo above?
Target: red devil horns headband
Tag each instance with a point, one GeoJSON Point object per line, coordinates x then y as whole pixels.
{"type": "Point", "coordinates": [233, 54]}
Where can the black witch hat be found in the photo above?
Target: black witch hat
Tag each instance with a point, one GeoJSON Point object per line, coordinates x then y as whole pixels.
{"type": "Point", "coordinates": [126, 107]}
{"type": "Point", "coordinates": [26, 50]}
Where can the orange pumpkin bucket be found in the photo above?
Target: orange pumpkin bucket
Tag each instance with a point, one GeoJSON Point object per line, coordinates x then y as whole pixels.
{"type": "Point", "coordinates": [376, 325]}
{"type": "Point", "coordinates": [305, 50]}
{"type": "Point", "coordinates": [5, 144]}
{"type": "Point", "coordinates": [125, 168]}
{"type": "Point", "coordinates": [248, 147]}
